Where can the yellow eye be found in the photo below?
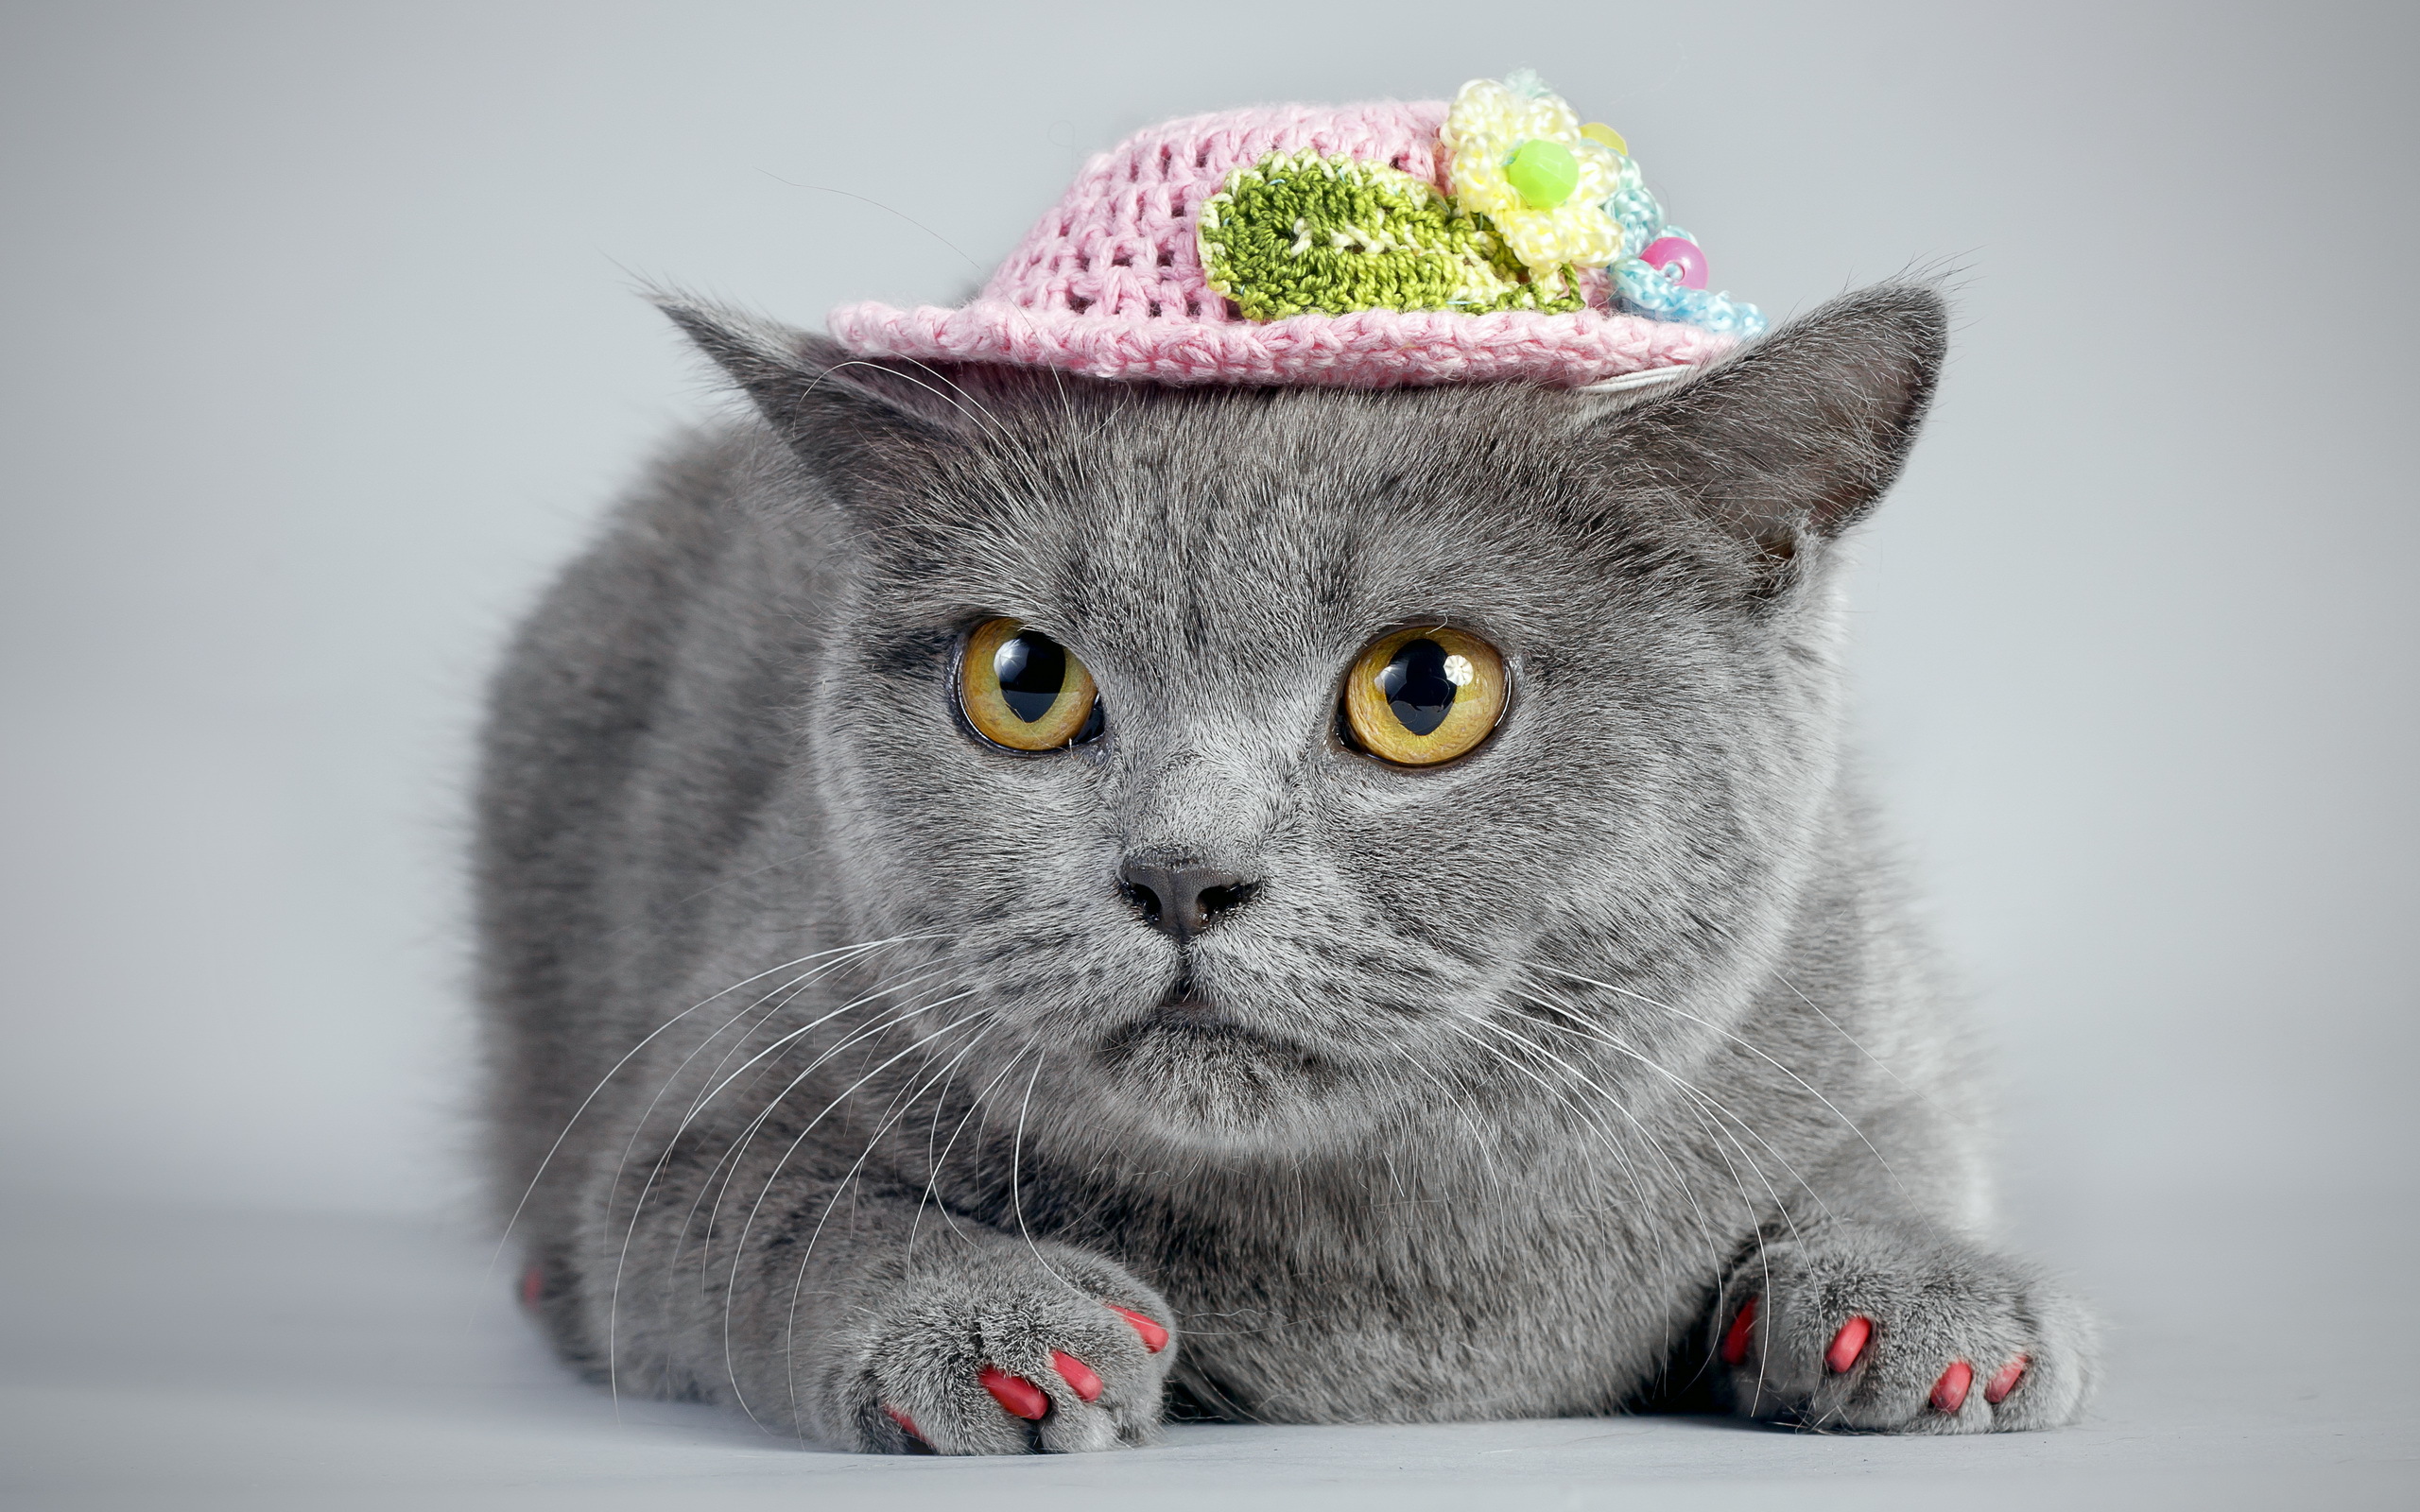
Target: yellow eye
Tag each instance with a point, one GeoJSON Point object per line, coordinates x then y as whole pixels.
{"type": "Point", "coordinates": [1022, 690]}
{"type": "Point", "coordinates": [1420, 697]}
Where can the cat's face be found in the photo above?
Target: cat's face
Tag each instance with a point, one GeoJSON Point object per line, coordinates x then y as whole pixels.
{"type": "Point", "coordinates": [1218, 563]}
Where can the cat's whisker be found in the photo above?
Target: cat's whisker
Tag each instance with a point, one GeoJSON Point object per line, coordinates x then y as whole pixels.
{"type": "Point", "coordinates": [1703, 1101]}
{"type": "Point", "coordinates": [1688, 1189]}
{"type": "Point", "coordinates": [895, 1016]}
{"type": "Point", "coordinates": [955, 395]}
{"type": "Point", "coordinates": [1579, 1024]}
{"type": "Point", "coordinates": [552, 1150]}
{"type": "Point", "coordinates": [672, 1145]}
{"type": "Point", "coordinates": [974, 1106]}
{"type": "Point", "coordinates": [1644, 1132]}
{"type": "Point", "coordinates": [904, 1100]}
{"type": "Point", "coordinates": [1750, 1211]}
{"type": "Point", "coordinates": [750, 1127]}
{"type": "Point", "coordinates": [739, 1245]}
{"type": "Point", "coordinates": [1590, 1083]}
{"type": "Point", "coordinates": [1706, 1226]}
{"type": "Point", "coordinates": [1752, 1049]}
{"type": "Point", "coordinates": [715, 1087]}
{"type": "Point", "coordinates": [1923, 1211]}
{"type": "Point", "coordinates": [1598, 1034]}
{"type": "Point", "coordinates": [899, 1108]}
{"type": "Point", "coordinates": [1016, 1177]}
{"type": "Point", "coordinates": [720, 1077]}
{"type": "Point", "coordinates": [1480, 1142]}
{"type": "Point", "coordinates": [1834, 1026]}
{"type": "Point", "coordinates": [1605, 1135]}
{"type": "Point", "coordinates": [997, 428]}
{"type": "Point", "coordinates": [719, 1080]}
{"type": "Point", "coordinates": [1708, 1230]}
{"type": "Point", "coordinates": [638, 1127]}
{"type": "Point", "coordinates": [932, 1160]}
{"type": "Point", "coordinates": [730, 1157]}
{"type": "Point", "coordinates": [714, 1090]}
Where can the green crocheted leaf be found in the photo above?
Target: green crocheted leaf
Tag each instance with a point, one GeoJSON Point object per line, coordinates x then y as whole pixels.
{"type": "Point", "coordinates": [1299, 233]}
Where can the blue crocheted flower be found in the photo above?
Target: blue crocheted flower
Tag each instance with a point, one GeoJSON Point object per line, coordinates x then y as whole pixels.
{"type": "Point", "coordinates": [1660, 279]}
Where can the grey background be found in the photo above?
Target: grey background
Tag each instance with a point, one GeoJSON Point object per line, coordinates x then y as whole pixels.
{"type": "Point", "coordinates": [321, 349]}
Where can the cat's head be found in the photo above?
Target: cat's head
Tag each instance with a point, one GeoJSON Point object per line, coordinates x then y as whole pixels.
{"type": "Point", "coordinates": [1211, 903]}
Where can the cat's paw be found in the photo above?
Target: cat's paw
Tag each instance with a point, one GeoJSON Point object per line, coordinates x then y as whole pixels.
{"type": "Point", "coordinates": [1892, 1331]}
{"type": "Point", "coordinates": [1020, 1351]}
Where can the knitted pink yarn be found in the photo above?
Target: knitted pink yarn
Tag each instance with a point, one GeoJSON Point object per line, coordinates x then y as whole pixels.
{"type": "Point", "coordinates": [1110, 284]}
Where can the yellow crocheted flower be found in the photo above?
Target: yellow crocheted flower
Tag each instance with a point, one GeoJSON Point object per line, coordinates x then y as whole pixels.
{"type": "Point", "coordinates": [1519, 158]}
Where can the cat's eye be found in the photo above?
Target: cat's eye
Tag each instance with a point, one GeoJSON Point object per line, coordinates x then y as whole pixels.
{"type": "Point", "coordinates": [1021, 688]}
{"type": "Point", "coordinates": [1420, 697]}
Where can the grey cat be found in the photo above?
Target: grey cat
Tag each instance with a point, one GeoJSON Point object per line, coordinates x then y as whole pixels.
{"type": "Point", "coordinates": [906, 1090]}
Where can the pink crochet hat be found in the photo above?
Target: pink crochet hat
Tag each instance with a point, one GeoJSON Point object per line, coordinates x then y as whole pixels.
{"type": "Point", "coordinates": [1113, 282]}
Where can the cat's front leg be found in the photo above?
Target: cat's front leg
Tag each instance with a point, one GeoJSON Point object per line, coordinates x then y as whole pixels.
{"type": "Point", "coordinates": [1896, 1328]}
{"type": "Point", "coordinates": [975, 1342]}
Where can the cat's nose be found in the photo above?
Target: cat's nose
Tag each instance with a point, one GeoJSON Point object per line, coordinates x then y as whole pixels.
{"type": "Point", "coordinates": [1183, 897]}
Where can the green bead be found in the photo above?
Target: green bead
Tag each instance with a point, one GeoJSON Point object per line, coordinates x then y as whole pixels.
{"type": "Point", "coordinates": [1544, 173]}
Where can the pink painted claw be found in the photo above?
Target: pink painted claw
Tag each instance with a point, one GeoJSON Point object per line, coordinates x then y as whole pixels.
{"type": "Point", "coordinates": [1996, 1389]}
{"type": "Point", "coordinates": [1021, 1397]}
{"type": "Point", "coordinates": [1735, 1339]}
{"type": "Point", "coordinates": [1155, 1338]}
{"type": "Point", "coordinates": [1847, 1345]}
{"type": "Point", "coordinates": [1078, 1375]}
{"type": "Point", "coordinates": [1949, 1392]}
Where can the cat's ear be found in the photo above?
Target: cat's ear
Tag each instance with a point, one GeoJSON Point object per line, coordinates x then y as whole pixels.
{"type": "Point", "coordinates": [1793, 439]}
{"type": "Point", "coordinates": [848, 418]}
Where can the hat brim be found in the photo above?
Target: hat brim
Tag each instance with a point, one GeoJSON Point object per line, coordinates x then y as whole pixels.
{"type": "Point", "coordinates": [1366, 349]}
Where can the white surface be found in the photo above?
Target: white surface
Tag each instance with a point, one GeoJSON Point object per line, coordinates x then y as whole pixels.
{"type": "Point", "coordinates": [2258, 1359]}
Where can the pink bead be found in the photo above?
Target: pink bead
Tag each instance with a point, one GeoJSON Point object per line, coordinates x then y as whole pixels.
{"type": "Point", "coordinates": [1678, 258]}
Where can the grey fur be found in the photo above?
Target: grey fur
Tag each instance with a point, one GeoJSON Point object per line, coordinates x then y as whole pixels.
{"type": "Point", "coordinates": [1517, 1076]}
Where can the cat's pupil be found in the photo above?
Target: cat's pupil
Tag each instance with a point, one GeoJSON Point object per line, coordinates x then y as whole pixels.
{"type": "Point", "coordinates": [1032, 669]}
{"type": "Point", "coordinates": [1417, 686]}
